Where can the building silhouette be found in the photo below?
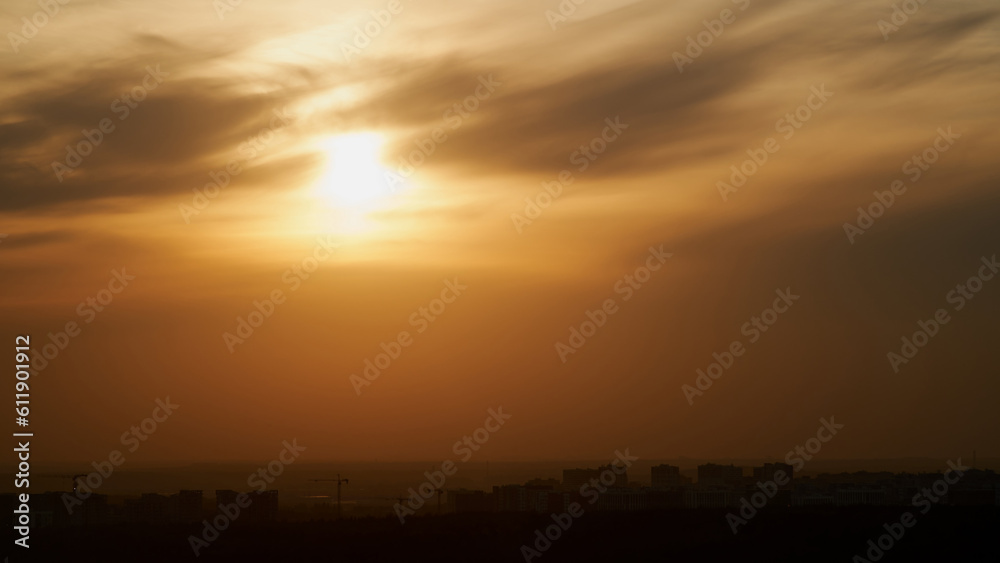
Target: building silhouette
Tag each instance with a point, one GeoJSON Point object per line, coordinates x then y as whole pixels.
{"type": "Point", "coordinates": [667, 477]}
{"type": "Point", "coordinates": [768, 472]}
{"type": "Point", "coordinates": [712, 475]}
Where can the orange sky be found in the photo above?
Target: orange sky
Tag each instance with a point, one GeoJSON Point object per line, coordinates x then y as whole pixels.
{"type": "Point", "coordinates": [310, 117]}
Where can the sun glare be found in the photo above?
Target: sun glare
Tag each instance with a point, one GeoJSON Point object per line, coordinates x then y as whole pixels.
{"type": "Point", "coordinates": [354, 178]}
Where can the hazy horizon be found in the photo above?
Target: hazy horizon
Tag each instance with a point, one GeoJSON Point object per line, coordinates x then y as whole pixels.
{"type": "Point", "coordinates": [367, 187]}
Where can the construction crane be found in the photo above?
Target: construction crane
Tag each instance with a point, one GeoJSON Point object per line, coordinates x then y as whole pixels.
{"type": "Point", "coordinates": [339, 481]}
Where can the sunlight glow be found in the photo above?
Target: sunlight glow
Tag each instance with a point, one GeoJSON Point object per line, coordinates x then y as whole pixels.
{"type": "Point", "coordinates": [354, 179]}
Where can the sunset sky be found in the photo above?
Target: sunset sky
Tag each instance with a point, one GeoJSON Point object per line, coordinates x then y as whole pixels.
{"type": "Point", "coordinates": [322, 123]}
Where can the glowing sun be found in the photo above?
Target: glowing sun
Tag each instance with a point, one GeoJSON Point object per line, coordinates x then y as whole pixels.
{"type": "Point", "coordinates": [353, 177]}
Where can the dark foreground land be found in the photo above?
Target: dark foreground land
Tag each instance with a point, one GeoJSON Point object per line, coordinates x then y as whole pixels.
{"type": "Point", "coordinates": [944, 534]}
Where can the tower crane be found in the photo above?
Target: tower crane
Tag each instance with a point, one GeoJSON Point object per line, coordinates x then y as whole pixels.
{"type": "Point", "coordinates": [339, 481]}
